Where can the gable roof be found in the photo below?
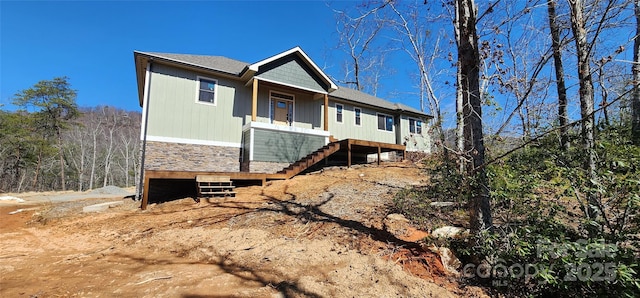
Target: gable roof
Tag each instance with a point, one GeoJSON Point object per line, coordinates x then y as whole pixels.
{"type": "Point", "coordinates": [246, 71]}
{"type": "Point", "coordinates": [298, 51]}
{"type": "Point", "coordinates": [216, 63]}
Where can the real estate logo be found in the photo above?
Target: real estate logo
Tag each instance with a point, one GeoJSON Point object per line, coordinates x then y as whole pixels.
{"type": "Point", "coordinates": [582, 261]}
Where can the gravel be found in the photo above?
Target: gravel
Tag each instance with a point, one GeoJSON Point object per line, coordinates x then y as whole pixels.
{"type": "Point", "coordinates": [110, 190]}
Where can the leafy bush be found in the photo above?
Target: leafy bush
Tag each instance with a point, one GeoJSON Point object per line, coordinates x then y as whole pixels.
{"type": "Point", "coordinates": [544, 244]}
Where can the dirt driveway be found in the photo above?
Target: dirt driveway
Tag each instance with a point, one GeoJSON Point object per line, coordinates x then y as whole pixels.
{"type": "Point", "coordinates": [317, 235]}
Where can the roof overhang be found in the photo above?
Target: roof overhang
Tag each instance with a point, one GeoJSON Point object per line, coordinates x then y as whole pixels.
{"type": "Point", "coordinates": [252, 69]}
{"type": "Point", "coordinates": [142, 59]}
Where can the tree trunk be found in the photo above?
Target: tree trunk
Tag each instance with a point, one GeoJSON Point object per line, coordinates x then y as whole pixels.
{"type": "Point", "coordinates": [469, 64]}
{"type": "Point", "coordinates": [62, 167]}
{"type": "Point", "coordinates": [586, 85]}
{"type": "Point", "coordinates": [92, 174]}
{"type": "Point", "coordinates": [586, 103]}
{"type": "Point", "coordinates": [635, 69]}
{"type": "Point", "coordinates": [560, 84]}
{"type": "Point", "coordinates": [460, 121]}
{"type": "Point", "coordinates": [459, 105]}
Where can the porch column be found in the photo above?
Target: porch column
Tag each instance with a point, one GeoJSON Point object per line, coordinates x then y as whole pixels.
{"type": "Point", "coordinates": [254, 101]}
{"type": "Point", "coordinates": [326, 112]}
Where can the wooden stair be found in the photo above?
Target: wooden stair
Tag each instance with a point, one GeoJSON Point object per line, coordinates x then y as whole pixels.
{"type": "Point", "coordinates": [210, 185]}
{"type": "Point", "coordinates": [309, 160]}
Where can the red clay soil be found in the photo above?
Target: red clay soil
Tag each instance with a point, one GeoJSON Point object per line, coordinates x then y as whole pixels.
{"type": "Point", "coordinates": [317, 235]}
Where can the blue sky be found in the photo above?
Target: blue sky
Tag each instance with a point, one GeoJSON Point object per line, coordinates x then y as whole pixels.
{"type": "Point", "coordinates": [92, 42]}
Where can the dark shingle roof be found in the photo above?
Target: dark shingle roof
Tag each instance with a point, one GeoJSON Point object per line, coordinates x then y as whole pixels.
{"type": "Point", "coordinates": [364, 98]}
{"type": "Point", "coordinates": [235, 67]}
{"type": "Point", "coordinates": [217, 63]}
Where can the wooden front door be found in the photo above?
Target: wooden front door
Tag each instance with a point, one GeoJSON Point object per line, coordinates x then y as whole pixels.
{"type": "Point", "coordinates": [282, 110]}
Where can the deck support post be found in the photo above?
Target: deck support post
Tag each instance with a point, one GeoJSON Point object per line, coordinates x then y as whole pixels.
{"type": "Point", "coordinates": [326, 112]}
{"type": "Point", "coordinates": [145, 192]}
{"type": "Point", "coordinates": [348, 154]}
{"type": "Point", "coordinates": [379, 151]}
{"type": "Point", "coordinates": [254, 101]}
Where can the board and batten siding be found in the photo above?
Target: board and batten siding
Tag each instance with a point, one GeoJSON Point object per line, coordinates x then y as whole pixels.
{"type": "Point", "coordinates": [278, 146]}
{"type": "Point", "coordinates": [175, 113]}
{"type": "Point", "coordinates": [307, 112]}
{"type": "Point", "coordinates": [368, 130]}
{"type": "Point", "coordinates": [246, 148]}
{"type": "Point", "coordinates": [412, 141]}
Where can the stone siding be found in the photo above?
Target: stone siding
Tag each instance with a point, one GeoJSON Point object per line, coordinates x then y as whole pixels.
{"type": "Point", "coordinates": [266, 167]}
{"type": "Point", "coordinates": [189, 157]}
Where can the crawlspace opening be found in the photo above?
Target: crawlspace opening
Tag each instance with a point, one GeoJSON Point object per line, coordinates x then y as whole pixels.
{"type": "Point", "coordinates": [165, 190]}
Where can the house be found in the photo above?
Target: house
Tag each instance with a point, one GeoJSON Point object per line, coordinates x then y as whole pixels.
{"type": "Point", "coordinates": [215, 114]}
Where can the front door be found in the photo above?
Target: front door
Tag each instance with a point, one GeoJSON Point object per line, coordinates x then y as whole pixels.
{"type": "Point", "coordinates": [282, 109]}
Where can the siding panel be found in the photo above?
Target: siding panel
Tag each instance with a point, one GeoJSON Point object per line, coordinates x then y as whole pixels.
{"type": "Point", "coordinates": [275, 146]}
{"type": "Point", "coordinates": [292, 71]}
{"type": "Point", "coordinates": [174, 112]}
{"type": "Point", "coordinates": [367, 131]}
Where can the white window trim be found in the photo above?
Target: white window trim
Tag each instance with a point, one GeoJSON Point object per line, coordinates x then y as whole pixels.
{"type": "Point", "coordinates": [215, 91]}
{"type": "Point", "coordinates": [416, 125]}
{"type": "Point", "coordinates": [341, 108]}
{"type": "Point", "coordinates": [355, 116]}
{"type": "Point", "coordinates": [293, 108]}
{"type": "Point", "coordinates": [393, 127]}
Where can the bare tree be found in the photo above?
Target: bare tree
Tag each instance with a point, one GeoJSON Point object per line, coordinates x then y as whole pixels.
{"type": "Point", "coordinates": [469, 63]}
{"type": "Point", "coordinates": [357, 36]}
{"type": "Point", "coordinates": [559, 70]}
{"type": "Point", "coordinates": [417, 49]}
{"type": "Point", "coordinates": [635, 70]}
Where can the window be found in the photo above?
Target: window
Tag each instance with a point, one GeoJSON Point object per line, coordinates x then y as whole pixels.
{"type": "Point", "coordinates": [385, 122]}
{"type": "Point", "coordinates": [357, 112]}
{"type": "Point", "coordinates": [338, 113]}
{"type": "Point", "coordinates": [207, 90]}
{"type": "Point", "coordinates": [415, 126]}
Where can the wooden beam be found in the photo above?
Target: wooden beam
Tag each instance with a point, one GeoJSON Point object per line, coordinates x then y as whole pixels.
{"type": "Point", "coordinates": [254, 101]}
{"type": "Point", "coordinates": [348, 154]}
{"type": "Point", "coordinates": [145, 192]}
{"type": "Point", "coordinates": [379, 151]}
{"type": "Point", "coordinates": [376, 144]}
{"type": "Point", "coordinates": [326, 112]}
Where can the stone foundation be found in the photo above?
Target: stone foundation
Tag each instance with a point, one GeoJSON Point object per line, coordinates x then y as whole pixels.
{"type": "Point", "coordinates": [266, 167]}
{"type": "Point", "coordinates": [189, 157]}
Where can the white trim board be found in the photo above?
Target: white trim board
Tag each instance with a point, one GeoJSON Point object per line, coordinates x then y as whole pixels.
{"type": "Point", "coordinates": [215, 91]}
{"type": "Point", "coordinates": [291, 129]}
{"type": "Point", "coordinates": [192, 141]}
{"type": "Point", "coordinates": [289, 85]}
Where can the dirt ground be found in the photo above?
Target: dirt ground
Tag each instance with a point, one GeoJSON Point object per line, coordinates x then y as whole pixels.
{"type": "Point", "coordinates": [324, 234]}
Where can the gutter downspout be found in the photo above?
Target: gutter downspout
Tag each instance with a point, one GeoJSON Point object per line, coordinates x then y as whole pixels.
{"type": "Point", "coordinates": [143, 130]}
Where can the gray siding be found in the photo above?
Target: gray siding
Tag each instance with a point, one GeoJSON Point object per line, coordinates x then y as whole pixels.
{"type": "Point", "coordinates": [276, 146]}
{"type": "Point", "coordinates": [414, 142]}
{"type": "Point", "coordinates": [246, 149]}
{"type": "Point", "coordinates": [174, 112]}
{"type": "Point", "coordinates": [368, 130]}
{"type": "Point", "coordinates": [307, 111]}
{"type": "Point", "coordinates": [291, 70]}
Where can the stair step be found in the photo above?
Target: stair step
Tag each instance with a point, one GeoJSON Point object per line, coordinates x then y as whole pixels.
{"type": "Point", "coordinates": [310, 160]}
{"type": "Point", "coordinates": [218, 192]}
